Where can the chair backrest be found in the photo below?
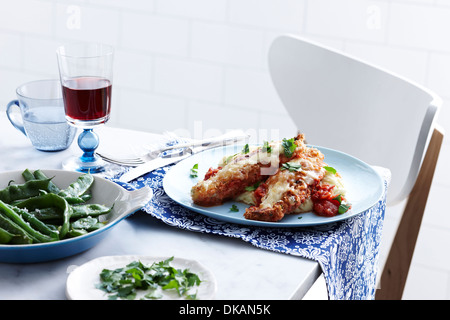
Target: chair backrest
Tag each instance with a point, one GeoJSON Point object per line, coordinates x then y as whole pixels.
{"type": "Point", "coordinates": [343, 103]}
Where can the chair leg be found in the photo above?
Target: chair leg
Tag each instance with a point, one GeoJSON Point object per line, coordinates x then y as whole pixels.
{"type": "Point", "coordinates": [395, 272]}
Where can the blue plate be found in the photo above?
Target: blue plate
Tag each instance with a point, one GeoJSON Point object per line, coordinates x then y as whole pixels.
{"type": "Point", "coordinates": [103, 192]}
{"type": "Point", "coordinates": [363, 184]}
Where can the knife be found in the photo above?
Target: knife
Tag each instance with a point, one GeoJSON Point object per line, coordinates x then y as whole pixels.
{"type": "Point", "coordinates": [150, 166]}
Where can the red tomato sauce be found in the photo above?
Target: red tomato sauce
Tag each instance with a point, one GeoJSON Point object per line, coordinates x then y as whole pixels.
{"type": "Point", "coordinates": [260, 192]}
{"type": "Point", "coordinates": [211, 172]}
{"type": "Point", "coordinates": [324, 204]}
{"type": "Point", "coordinates": [326, 208]}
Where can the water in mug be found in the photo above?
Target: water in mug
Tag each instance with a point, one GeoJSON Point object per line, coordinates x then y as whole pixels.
{"type": "Point", "coordinates": [48, 129]}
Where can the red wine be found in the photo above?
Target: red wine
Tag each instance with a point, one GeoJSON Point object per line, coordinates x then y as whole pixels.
{"type": "Point", "coordinates": [87, 98]}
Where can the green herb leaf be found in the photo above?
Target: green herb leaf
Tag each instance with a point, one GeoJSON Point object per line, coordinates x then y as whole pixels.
{"type": "Point", "coordinates": [246, 149]}
{"type": "Point", "coordinates": [338, 198]}
{"type": "Point", "coordinates": [125, 283]}
{"type": "Point", "coordinates": [266, 147]}
{"type": "Point", "coordinates": [343, 208]}
{"type": "Point", "coordinates": [173, 284]}
{"type": "Point", "coordinates": [291, 166]}
{"type": "Point", "coordinates": [253, 187]}
{"type": "Point", "coordinates": [153, 295]}
{"type": "Point", "coordinates": [234, 208]}
{"type": "Point", "coordinates": [194, 171]}
{"type": "Point", "coordinates": [330, 169]}
{"type": "Point", "coordinates": [289, 147]}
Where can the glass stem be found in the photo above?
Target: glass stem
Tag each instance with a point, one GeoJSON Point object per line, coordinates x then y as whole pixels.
{"type": "Point", "coordinates": [88, 142]}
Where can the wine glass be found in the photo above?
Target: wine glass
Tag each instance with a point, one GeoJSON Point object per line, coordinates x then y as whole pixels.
{"type": "Point", "coordinates": [86, 71]}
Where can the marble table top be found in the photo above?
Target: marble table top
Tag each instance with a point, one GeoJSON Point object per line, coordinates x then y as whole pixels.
{"type": "Point", "coordinates": [242, 271]}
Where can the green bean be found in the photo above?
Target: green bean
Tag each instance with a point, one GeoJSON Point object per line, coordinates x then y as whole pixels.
{"type": "Point", "coordinates": [71, 194]}
{"type": "Point", "coordinates": [76, 233]}
{"type": "Point", "coordinates": [36, 223]}
{"type": "Point", "coordinates": [22, 191]}
{"type": "Point", "coordinates": [28, 175]}
{"type": "Point", "coordinates": [20, 236]}
{"type": "Point", "coordinates": [88, 224]}
{"type": "Point", "coordinates": [74, 200]}
{"type": "Point", "coordinates": [78, 211]}
{"type": "Point", "coordinates": [48, 214]}
{"type": "Point", "coordinates": [50, 200]}
{"type": "Point", "coordinates": [20, 221]}
{"type": "Point", "coordinates": [39, 175]}
{"type": "Point", "coordinates": [78, 200]}
{"type": "Point", "coordinates": [28, 210]}
{"type": "Point", "coordinates": [86, 197]}
{"type": "Point", "coordinates": [91, 210]}
{"type": "Point", "coordinates": [79, 187]}
{"type": "Point", "coordinates": [5, 236]}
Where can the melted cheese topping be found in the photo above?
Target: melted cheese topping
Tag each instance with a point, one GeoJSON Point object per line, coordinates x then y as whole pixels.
{"type": "Point", "coordinates": [254, 156]}
{"type": "Point", "coordinates": [238, 165]}
{"type": "Point", "coordinates": [305, 206]}
{"type": "Point", "coordinates": [285, 180]}
{"type": "Point", "coordinates": [311, 172]}
{"type": "Point", "coordinates": [247, 198]}
{"type": "Point", "coordinates": [281, 180]}
{"type": "Point", "coordinates": [276, 191]}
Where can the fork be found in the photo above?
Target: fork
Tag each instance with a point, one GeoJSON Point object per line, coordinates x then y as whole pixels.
{"type": "Point", "coordinates": [225, 139]}
{"type": "Point", "coordinates": [176, 150]}
{"type": "Point", "coordinates": [138, 160]}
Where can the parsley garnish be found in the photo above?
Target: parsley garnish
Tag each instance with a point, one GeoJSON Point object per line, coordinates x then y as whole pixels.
{"type": "Point", "coordinates": [289, 147]}
{"type": "Point", "coordinates": [234, 208]}
{"type": "Point", "coordinates": [291, 166]}
{"type": "Point", "coordinates": [246, 149]}
{"type": "Point", "coordinates": [194, 171]}
{"type": "Point", "coordinates": [266, 147]}
{"type": "Point", "coordinates": [343, 208]}
{"type": "Point", "coordinates": [330, 169]}
{"type": "Point", "coordinates": [124, 283]}
{"type": "Point", "coordinates": [253, 187]}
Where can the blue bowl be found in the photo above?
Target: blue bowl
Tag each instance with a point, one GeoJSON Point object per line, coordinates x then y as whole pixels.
{"type": "Point", "coordinates": [103, 191]}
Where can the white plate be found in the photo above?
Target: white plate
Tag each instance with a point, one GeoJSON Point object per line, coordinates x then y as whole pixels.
{"type": "Point", "coordinates": [363, 184]}
{"type": "Point", "coordinates": [82, 280]}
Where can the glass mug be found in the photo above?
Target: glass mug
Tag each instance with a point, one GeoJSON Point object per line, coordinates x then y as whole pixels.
{"type": "Point", "coordinates": [42, 115]}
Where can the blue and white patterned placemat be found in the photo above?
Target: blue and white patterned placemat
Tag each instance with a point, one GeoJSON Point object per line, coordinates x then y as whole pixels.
{"type": "Point", "coordinates": [347, 251]}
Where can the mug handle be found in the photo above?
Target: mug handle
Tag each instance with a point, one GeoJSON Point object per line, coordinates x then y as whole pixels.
{"type": "Point", "coordinates": [18, 126]}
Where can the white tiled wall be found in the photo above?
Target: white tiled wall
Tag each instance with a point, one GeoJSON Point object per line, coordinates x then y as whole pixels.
{"type": "Point", "coordinates": [181, 64]}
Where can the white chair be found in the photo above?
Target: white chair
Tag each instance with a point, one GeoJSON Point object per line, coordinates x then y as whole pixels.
{"type": "Point", "coordinates": [343, 103]}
